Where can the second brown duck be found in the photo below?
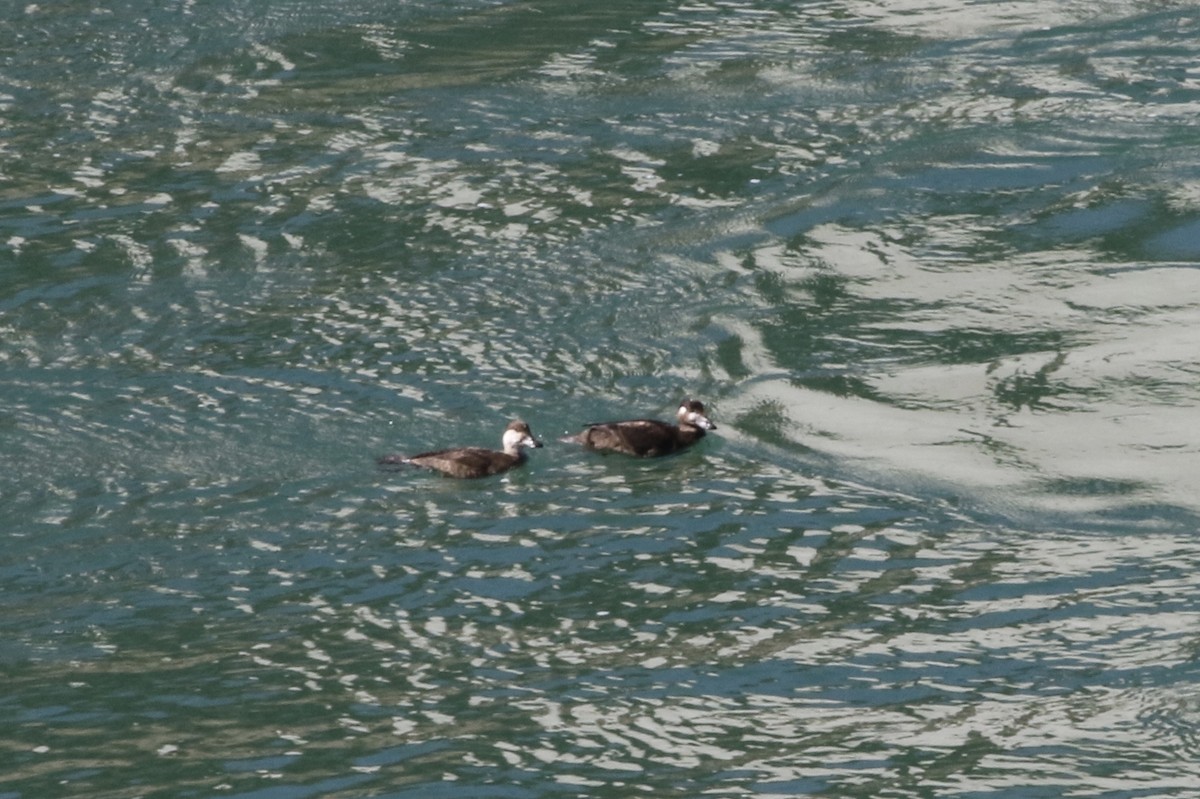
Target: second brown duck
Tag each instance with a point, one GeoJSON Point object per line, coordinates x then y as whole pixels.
{"type": "Point", "coordinates": [647, 438]}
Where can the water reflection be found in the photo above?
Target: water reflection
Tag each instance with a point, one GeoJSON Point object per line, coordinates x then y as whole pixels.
{"type": "Point", "coordinates": [589, 652]}
{"type": "Point", "coordinates": [750, 629]}
{"type": "Point", "coordinates": [926, 264]}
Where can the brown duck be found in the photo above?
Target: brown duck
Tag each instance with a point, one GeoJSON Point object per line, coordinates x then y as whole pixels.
{"type": "Point", "coordinates": [647, 438]}
{"type": "Point", "coordinates": [471, 462]}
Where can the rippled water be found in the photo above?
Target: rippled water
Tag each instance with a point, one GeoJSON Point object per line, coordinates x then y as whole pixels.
{"type": "Point", "coordinates": [933, 268]}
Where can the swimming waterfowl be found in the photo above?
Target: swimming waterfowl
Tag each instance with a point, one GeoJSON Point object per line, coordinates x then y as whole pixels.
{"type": "Point", "coordinates": [471, 462]}
{"type": "Point", "coordinates": [647, 438]}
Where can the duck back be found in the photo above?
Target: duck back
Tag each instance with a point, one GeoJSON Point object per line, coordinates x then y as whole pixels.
{"type": "Point", "coordinates": [643, 438]}
{"type": "Point", "coordinates": [467, 462]}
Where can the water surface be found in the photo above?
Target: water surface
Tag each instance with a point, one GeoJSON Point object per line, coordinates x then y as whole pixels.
{"type": "Point", "coordinates": [932, 266]}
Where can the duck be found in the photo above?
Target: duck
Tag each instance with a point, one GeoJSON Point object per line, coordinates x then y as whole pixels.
{"type": "Point", "coordinates": [647, 438]}
{"type": "Point", "coordinates": [473, 462]}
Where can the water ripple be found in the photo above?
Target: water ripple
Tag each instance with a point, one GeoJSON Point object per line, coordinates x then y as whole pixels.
{"type": "Point", "coordinates": [931, 268]}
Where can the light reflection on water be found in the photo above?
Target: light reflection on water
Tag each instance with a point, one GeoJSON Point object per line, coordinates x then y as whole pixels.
{"type": "Point", "coordinates": [409, 630]}
{"type": "Point", "coordinates": [618, 646]}
{"type": "Point", "coordinates": [930, 266]}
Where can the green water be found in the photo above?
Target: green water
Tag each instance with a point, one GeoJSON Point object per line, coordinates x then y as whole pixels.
{"type": "Point", "coordinates": [932, 268]}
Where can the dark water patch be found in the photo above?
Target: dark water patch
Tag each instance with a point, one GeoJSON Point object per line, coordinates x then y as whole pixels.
{"type": "Point", "coordinates": [1178, 243]}
{"type": "Point", "coordinates": [1095, 487]}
